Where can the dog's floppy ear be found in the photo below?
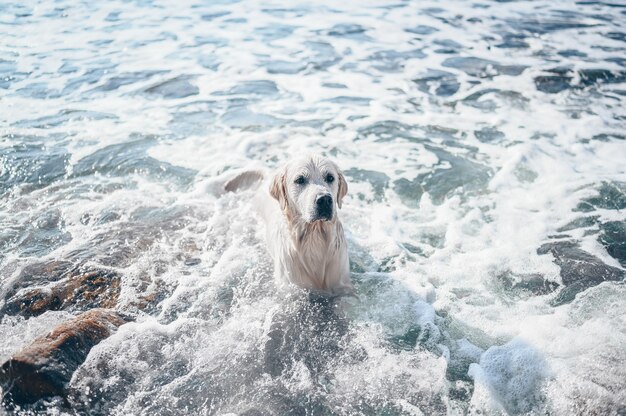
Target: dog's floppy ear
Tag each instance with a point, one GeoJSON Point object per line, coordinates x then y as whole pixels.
{"type": "Point", "coordinates": [278, 188]}
{"type": "Point", "coordinates": [343, 187]}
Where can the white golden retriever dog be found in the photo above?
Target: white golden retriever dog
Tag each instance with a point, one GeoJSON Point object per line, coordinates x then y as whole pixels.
{"type": "Point", "coordinates": [304, 236]}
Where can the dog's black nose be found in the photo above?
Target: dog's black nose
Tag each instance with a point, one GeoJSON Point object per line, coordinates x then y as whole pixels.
{"type": "Point", "coordinates": [324, 201]}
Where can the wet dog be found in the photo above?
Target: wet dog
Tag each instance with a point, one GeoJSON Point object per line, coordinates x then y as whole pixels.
{"type": "Point", "coordinates": [303, 231]}
{"type": "Point", "coordinates": [299, 205]}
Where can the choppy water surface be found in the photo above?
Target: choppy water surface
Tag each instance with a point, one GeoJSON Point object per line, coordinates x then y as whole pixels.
{"type": "Point", "coordinates": [484, 144]}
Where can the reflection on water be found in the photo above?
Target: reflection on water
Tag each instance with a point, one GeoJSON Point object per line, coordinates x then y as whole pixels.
{"type": "Point", "coordinates": [483, 143]}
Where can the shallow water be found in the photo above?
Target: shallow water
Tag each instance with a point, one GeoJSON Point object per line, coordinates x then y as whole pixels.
{"type": "Point", "coordinates": [484, 147]}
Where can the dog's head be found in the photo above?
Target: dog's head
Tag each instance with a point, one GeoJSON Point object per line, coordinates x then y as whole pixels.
{"type": "Point", "coordinates": [310, 189]}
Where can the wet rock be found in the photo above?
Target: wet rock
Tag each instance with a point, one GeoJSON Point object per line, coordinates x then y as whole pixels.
{"type": "Point", "coordinates": [44, 368]}
{"type": "Point", "coordinates": [178, 87]}
{"type": "Point", "coordinates": [40, 273]}
{"type": "Point", "coordinates": [579, 269]}
{"type": "Point", "coordinates": [69, 289]}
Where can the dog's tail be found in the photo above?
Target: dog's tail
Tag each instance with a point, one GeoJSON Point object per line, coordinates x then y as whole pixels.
{"type": "Point", "coordinates": [244, 180]}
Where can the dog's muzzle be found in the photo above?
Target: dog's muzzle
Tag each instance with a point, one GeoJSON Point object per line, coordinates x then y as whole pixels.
{"type": "Point", "coordinates": [324, 207]}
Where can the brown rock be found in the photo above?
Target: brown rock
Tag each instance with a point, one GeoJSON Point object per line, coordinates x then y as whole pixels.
{"type": "Point", "coordinates": [74, 290]}
{"type": "Point", "coordinates": [45, 367]}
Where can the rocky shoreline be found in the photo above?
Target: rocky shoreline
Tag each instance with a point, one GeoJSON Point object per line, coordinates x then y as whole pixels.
{"type": "Point", "coordinates": [44, 367]}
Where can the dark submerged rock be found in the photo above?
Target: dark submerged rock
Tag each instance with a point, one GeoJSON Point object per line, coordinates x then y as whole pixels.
{"type": "Point", "coordinates": [579, 269]}
{"type": "Point", "coordinates": [44, 368]}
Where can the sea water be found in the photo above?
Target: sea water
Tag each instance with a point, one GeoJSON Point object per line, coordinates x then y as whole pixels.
{"type": "Point", "coordinates": [485, 149]}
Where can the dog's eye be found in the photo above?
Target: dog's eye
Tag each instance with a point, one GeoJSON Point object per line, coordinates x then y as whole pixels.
{"type": "Point", "coordinates": [330, 178]}
{"type": "Point", "coordinates": [300, 180]}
